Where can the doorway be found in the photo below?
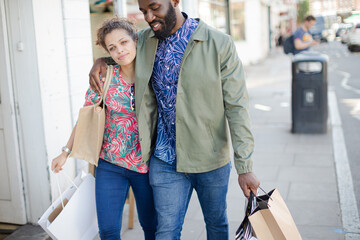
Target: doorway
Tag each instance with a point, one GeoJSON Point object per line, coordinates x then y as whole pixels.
{"type": "Point", "coordinates": [12, 204]}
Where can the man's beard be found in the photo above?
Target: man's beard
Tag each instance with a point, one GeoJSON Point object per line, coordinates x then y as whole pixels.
{"type": "Point", "coordinates": [167, 25]}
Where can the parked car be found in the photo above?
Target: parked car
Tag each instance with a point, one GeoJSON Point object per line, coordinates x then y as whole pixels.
{"type": "Point", "coordinates": [345, 36]}
{"type": "Point", "coordinates": [342, 29]}
{"type": "Point", "coordinates": [354, 38]}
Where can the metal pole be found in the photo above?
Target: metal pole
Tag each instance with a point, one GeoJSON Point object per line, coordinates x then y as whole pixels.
{"type": "Point", "coordinates": [120, 8]}
{"type": "Point", "coordinates": [227, 13]}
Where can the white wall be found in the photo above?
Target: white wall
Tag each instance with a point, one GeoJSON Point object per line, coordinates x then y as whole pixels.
{"type": "Point", "coordinates": [190, 7]}
{"type": "Point", "coordinates": [78, 50]}
{"type": "Point", "coordinates": [54, 89]}
{"type": "Point", "coordinates": [255, 47]}
{"type": "Point", "coordinates": [64, 56]}
{"type": "Point", "coordinates": [79, 57]}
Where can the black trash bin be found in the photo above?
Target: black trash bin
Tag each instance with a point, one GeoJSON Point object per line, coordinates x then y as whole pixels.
{"type": "Point", "coordinates": [309, 93]}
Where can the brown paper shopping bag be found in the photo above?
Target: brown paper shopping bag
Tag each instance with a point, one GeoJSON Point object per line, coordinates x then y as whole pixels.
{"type": "Point", "coordinates": [90, 128]}
{"type": "Point", "coordinates": [272, 220]}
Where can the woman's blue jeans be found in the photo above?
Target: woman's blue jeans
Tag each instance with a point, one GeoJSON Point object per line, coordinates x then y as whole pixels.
{"type": "Point", "coordinates": [172, 193]}
{"type": "Point", "coordinates": [111, 188]}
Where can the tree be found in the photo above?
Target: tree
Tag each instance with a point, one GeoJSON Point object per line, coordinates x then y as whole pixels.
{"type": "Point", "coordinates": [303, 10]}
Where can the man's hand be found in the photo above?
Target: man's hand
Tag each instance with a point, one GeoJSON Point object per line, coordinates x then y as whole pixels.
{"type": "Point", "coordinates": [315, 42]}
{"type": "Point", "coordinates": [98, 68]}
{"type": "Point", "coordinates": [248, 182]}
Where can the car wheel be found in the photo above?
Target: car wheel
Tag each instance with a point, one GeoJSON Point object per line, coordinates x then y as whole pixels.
{"type": "Point", "coordinates": [351, 48]}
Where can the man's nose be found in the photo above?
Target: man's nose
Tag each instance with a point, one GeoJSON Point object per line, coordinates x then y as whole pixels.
{"type": "Point", "coordinates": [149, 16]}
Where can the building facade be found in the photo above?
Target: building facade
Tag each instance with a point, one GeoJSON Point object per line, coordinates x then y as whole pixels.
{"type": "Point", "coordinates": [331, 7]}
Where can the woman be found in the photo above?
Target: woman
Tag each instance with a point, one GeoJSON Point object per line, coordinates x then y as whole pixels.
{"type": "Point", "coordinates": [120, 164]}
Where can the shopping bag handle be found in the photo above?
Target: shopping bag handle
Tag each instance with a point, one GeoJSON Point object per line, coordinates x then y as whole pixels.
{"type": "Point", "coordinates": [267, 203]}
{"type": "Point", "coordinates": [265, 193]}
{"type": "Point", "coordinates": [58, 185]}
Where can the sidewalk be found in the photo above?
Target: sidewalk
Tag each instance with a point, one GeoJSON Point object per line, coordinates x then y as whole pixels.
{"type": "Point", "coordinates": [301, 166]}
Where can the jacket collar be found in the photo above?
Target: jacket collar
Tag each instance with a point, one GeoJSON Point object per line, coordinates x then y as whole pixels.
{"type": "Point", "coordinates": [201, 32]}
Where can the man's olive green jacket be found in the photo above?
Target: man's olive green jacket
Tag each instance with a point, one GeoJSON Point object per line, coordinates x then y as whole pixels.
{"type": "Point", "coordinates": [211, 98]}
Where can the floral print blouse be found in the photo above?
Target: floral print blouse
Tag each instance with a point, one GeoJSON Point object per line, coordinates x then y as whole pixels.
{"type": "Point", "coordinates": [121, 144]}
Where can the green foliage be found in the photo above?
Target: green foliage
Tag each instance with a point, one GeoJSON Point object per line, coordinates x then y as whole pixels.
{"type": "Point", "coordinates": [303, 10]}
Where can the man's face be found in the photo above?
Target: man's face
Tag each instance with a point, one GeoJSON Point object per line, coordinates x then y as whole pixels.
{"type": "Point", "coordinates": [160, 15]}
{"type": "Point", "coordinates": [310, 24]}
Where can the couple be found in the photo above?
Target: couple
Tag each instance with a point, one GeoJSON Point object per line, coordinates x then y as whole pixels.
{"type": "Point", "coordinates": [189, 88]}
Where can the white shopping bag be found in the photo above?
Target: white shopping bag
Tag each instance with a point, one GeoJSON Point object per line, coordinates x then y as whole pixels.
{"type": "Point", "coordinates": [77, 220]}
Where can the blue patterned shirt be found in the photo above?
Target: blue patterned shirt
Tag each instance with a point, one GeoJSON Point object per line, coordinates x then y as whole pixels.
{"type": "Point", "coordinates": [164, 81]}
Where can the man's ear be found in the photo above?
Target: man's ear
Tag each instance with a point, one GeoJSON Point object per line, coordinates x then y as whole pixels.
{"type": "Point", "coordinates": [176, 3]}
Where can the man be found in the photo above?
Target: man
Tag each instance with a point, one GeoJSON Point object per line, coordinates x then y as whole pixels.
{"type": "Point", "coordinates": [189, 88]}
{"type": "Point", "coordinates": [302, 36]}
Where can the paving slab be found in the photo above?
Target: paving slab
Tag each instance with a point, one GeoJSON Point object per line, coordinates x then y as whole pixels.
{"type": "Point", "coordinates": [321, 192]}
{"type": "Point", "coordinates": [27, 232]}
{"type": "Point", "coordinates": [308, 174]}
{"type": "Point", "coordinates": [320, 232]}
{"type": "Point", "coordinates": [263, 159]}
{"type": "Point", "coordinates": [313, 159]}
{"type": "Point", "coordinates": [315, 213]}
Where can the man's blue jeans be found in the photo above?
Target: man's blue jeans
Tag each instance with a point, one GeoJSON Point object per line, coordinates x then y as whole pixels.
{"type": "Point", "coordinates": [172, 192]}
{"type": "Point", "coordinates": [111, 188]}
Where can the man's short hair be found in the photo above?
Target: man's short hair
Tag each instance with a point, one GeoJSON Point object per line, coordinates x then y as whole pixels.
{"type": "Point", "coordinates": [310, 18]}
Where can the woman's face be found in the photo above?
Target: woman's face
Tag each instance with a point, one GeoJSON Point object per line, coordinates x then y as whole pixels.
{"type": "Point", "coordinates": [121, 46]}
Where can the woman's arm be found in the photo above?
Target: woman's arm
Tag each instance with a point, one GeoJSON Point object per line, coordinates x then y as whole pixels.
{"type": "Point", "coordinates": [91, 97]}
{"type": "Point", "coordinates": [60, 160]}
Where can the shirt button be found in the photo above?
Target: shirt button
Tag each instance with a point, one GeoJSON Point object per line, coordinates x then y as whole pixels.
{"type": "Point", "coordinates": [172, 123]}
{"type": "Point", "coordinates": [170, 105]}
{"type": "Point", "coordinates": [168, 50]}
{"type": "Point", "coordinates": [168, 87]}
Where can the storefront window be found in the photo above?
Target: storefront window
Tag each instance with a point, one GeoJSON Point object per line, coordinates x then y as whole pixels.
{"type": "Point", "coordinates": [237, 19]}
{"type": "Point", "coordinates": [213, 12]}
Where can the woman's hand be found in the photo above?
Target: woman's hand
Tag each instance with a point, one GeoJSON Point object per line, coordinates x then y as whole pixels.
{"type": "Point", "coordinates": [58, 162]}
{"type": "Point", "coordinates": [98, 68]}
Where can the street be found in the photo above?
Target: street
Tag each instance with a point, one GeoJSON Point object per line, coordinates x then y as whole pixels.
{"type": "Point", "coordinates": [344, 79]}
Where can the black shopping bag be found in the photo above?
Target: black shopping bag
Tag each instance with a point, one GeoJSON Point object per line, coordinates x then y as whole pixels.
{"type": "Point", "coordinates": [245, 230]}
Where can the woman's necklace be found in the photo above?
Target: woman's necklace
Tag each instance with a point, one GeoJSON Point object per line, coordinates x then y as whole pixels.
{"type": "Point", "coordinates": [126, 79]}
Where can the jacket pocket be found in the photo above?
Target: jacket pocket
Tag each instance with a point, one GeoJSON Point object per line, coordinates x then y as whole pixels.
{"type": "Point", "coordinates": [211, 136]}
